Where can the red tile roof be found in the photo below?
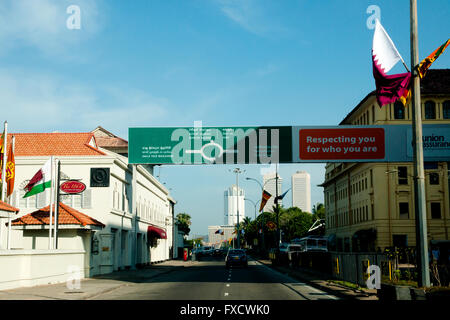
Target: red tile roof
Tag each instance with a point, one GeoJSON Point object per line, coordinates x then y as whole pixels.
{"type": "Point", "coordinates": [6, 207]}
{"type": "Point", "coordinates": [67, 215]}
{"type": "Point", "coordinates": [111, 142]}
{"type": "Point", "coordinates": [54, 144]}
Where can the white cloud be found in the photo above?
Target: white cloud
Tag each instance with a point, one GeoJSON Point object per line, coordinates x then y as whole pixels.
{"type": "Point", "coordinates": [41, 24]}
{"type": "Point", "coordinates": [250, 15]}
{"type": "Point", "coordinates": [45, 103]}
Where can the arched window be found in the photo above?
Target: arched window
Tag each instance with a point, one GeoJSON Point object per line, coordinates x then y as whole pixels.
{"type": "Point", "coordinates": [399, 110]}
{"type": "Point", "coordinates": [430, 110]}
{"type": "Point", "coordinates": [446, 109]}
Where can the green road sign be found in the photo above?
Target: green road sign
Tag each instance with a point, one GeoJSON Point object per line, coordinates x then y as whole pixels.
{"type": "Point", "coordinates": [210, 145]}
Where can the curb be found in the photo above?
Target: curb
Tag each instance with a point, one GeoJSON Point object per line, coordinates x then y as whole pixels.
{"type": "Point", "coordinates": [314, 284]}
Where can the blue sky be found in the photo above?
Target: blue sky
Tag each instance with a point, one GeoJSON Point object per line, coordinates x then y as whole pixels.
{"type": "Point", "coordinates": [224, 62]}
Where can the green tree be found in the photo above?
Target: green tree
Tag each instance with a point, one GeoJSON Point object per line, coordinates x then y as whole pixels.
{"type": "Point", "coordinates": [318, 211]}
{"type": "Point", "coordinates": [294, 223]}
{"type": "Point", "coordinates": [184, 222]}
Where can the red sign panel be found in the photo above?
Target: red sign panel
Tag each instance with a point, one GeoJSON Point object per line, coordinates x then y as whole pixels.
{"type": "Point", "coordinates": [73, 187]}
{"type": "Point", "coordinates": [345, 143]}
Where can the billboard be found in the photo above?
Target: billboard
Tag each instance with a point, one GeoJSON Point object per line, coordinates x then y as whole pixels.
{"type": "Point", "coordinates": [283, 144]}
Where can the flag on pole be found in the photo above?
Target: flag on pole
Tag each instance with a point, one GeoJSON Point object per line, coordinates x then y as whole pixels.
{"type": "Point", "coordinates": [265, 197]}
{"type": "Point", "coordinates": [40, 181]}
{"type": "Point", "coordinates": [389, 88]}
{"type": "Point", "coordinates": [280, 197]}
{"type": "Point", "coordinates": [426, 63]}
{"type": "Point", "coordinates": [10, 171]}
{"type": "Point", "coordinates": [2, 152]}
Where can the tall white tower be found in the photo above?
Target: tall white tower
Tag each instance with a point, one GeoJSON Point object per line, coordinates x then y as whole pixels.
{"type": "Point", "coordinates": [231, 202]}
{"type": "Point", "coordinates": [301, 190]}
{"type": "Point", "coordinates": [269, 181]}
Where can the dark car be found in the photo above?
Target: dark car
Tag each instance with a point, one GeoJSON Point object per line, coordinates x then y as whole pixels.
{"type": "Point", "coordinates": [236, 257]}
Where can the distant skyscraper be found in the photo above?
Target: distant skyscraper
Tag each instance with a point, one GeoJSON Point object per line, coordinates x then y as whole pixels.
{"type": "Point", "coordinates": [231, 202]}
{"type": "Point", "coordinates": [269, 182]}
{"type": "Point", "coordinates": [301, 190]}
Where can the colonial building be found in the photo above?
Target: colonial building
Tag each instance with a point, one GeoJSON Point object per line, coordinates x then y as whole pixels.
{"type": "Point", "coordinates": [371, 205]}
{"type": "Point", "coordinates": [133, 212]}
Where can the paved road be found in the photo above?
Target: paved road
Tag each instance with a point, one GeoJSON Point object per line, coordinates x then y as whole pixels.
{"type": "Point", "coordinates": [210, 280]}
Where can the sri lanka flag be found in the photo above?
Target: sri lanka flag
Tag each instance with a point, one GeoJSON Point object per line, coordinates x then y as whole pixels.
{"type": "Point", "coordinates": [389, 88]}
{"type": "Point", "coordinates": [265, 197]}
{"type": "Point", "coordinates": [426, 63]}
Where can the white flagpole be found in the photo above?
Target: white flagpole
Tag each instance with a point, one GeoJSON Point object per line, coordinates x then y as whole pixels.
{"type": "Point", "coordinates": [51, 205]}
{"type": "Point", "coordinates": [13, 140]}
{"type": "Point", "coordinates": [5, 155]}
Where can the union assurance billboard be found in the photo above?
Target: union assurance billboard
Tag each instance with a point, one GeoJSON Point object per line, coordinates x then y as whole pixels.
{"type": "Point", "coordinates": [284, 144]}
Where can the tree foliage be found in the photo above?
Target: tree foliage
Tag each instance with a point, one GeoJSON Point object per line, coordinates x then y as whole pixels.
{"type": "Point", "coordinates": [184, 222]}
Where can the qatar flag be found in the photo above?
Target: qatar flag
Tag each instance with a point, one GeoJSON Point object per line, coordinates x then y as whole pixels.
{"type": "Point", "coordinates": [389, 88]}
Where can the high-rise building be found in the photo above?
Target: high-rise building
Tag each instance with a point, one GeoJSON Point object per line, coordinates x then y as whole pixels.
{"type": "Point", "coordinates": [269, 181]}
{"type": "Point", "coordinates": [301, 190]}
{"type": "Point", "coordinates": [232, 200]}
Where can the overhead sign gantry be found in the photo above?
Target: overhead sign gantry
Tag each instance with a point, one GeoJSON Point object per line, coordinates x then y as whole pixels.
{"type": "Point", "coordinates": [284, 144]}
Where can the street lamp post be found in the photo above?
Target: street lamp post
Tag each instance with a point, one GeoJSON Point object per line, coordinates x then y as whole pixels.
{"type": "Point", "coordinates": [238, 171]}
{"type": "Point", "coordinates": [262, 217]}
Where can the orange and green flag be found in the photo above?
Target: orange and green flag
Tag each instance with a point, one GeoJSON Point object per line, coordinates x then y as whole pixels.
{"type": "Point", "coordinates": [426, 63]}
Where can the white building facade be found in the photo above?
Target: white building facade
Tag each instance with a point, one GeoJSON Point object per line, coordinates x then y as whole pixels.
{"type": "Point", "coordinates": [234, 202]}
{"type": "Point", "coordinates": [301, 190]}
{"type": "Point", "coordinates": [126, 198]}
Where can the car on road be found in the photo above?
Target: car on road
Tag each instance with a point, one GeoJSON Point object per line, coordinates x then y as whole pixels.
{"type": "Point", "coordinates": [236, 257]}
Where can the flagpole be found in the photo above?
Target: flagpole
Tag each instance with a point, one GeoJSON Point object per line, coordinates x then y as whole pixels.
{"type": "Point", "coordinates": [419, 176]}
{"type": "Point", "coordinates": [57, 203]}
{"type": "Point", "coordinates": [52, 198]}
{"type": "Point", "coordinates": [13, 142]}
{"type": "Point", "coordinates": [2, 193]}
{"type": "Point", "coordinates": [5, 159]}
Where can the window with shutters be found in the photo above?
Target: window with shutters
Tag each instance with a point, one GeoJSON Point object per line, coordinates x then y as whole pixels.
{"type": "Point", "coordinates": [435, 210]}
{"type": "Point", "coordinates": [430, 110]}
{"type": "Point", "coordinates": [446, 109]}
{"type": "Point", "coordinates": [402, 175]}
{"type": "Point", "coordinates": [404, 210]}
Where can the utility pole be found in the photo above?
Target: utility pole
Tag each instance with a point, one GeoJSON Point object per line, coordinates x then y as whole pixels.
{"type": "Point", "coordinates": [277, 208]}
{"type": "Point", "coordinates": [237, 171]}
{"type": "Point", "coordinates": [419, 176]}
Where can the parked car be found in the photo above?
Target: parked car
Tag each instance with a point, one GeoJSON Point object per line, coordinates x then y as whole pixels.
{"type": "Point", "coordinates": [236, 257]}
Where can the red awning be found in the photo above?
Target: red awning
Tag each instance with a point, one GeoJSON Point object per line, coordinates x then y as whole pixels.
{"type": "Point", "coordinates": [153, 231]}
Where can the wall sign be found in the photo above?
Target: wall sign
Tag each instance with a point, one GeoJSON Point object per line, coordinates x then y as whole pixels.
{"type": "Point", "coordinates": [99, 177]}
{"type": "Point", "coordinates": [72, 187]}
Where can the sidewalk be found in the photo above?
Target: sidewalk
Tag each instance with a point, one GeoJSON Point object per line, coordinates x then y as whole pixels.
{"type": "Point", "coordinates": [92, 287]}
{"type": "Point", "coordinates": [321, 281]}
